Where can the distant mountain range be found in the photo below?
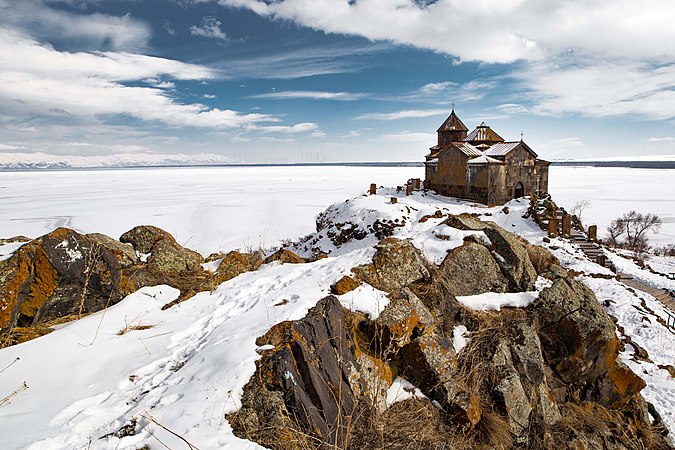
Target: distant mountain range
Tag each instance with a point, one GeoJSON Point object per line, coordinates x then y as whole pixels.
{"type": "Point", "coordinates": [47, 161]}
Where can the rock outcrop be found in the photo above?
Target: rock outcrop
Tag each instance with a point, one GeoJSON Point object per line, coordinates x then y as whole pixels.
{"type": "Point", "coordinates": [64, 275]}
{"type": "Point", "coordinates": [58, 275]}
{"type": "Point", "coordinates": [396, 264]}
{"type": "Point", "coordinates": [527, 378]}
{"type": "Point", "coordinates": [471, 269]}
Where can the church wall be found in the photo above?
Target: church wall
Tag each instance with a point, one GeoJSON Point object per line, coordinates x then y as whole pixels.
{"type": "Point", "coordinates": [520, 169]}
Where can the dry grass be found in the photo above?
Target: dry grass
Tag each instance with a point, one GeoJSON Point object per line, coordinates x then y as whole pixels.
{"type": "Point", "coordinates": [127, 328]}
{"type": "Point", "coordinates": [605, 427]}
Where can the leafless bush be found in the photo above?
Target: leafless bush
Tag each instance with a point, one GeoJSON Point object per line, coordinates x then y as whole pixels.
{"type": "Point", "coordinates": [630, 231]}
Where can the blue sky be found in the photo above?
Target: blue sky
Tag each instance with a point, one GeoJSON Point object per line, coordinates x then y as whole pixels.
{"type": "Point", "coordinates": [334, 80]}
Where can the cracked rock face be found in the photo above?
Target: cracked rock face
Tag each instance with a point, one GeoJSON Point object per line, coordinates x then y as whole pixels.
{"type": "Point", "coordinates": [396, 264]}
{"type": "Point", "coordinates": [471, 269]}
{"type": "Point", "coordinates": [310, 378]}
{"type": "Point", "coordinates": [577, 336]}
{"type": "Point", "coordinates": [59, 274]}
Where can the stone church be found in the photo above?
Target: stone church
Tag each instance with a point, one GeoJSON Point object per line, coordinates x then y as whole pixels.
{"type": "Point", "coordinates": [481, 166]}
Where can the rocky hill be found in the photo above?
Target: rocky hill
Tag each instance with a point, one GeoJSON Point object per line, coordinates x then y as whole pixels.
{"type": "Point", "coordinates": [425, 322]}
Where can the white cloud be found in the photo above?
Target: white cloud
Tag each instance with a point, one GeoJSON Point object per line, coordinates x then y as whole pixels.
{"type": "Point", "coordinates": [314, 95]}
{"type": "Point", "coordinates": [618, 55]}
{"type": "Point", "coordinates": [307, 61]}
{"type": "Point", "coordinates": [661, 139]}
{"type": "Point", "coordinates": [94, 31]}
{"type": "Point", "coordinates": [209, 28]}
{"type": "Point", "coordinates": [445, 92]}
{"type": "Point", "coordinates": [405, 114]}
{"type": "Point", "coordinates": [494, 31]}
{"type": "Point", "coordinates": [38, 79]}
{"type": "Point", "coordinates": [209, 96]}
{"type": "Point", "coordinates": [602, 89]}
{"type": "Point", "coordinates": [304, 127]}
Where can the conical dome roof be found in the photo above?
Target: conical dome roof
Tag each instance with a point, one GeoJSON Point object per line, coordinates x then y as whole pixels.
{"type": "Point", "coordinates": [452, 123]}
{"type": "Point", "coordinates": [483, 133]}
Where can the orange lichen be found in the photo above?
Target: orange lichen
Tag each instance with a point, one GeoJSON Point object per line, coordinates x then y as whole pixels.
{"type": "Point", "coordinates": [9, 296]}
{"type": "Point", "coordinates": [44, 283]}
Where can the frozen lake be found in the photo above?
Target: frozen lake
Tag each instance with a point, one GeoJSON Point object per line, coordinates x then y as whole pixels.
{"type": "Point", "coordinates": [222, 208]}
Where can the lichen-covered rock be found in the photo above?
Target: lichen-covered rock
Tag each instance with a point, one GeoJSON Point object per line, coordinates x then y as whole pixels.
{"type": "Point", "coordinates": [124, 253]}
{"type": "Point", "coordinates": [144, 237]}
{"type": "Point", "coordinates": [404, 316]}
{"type": "Point", "coordinates": [513, 258]}
{"type": "Point", "coordinates": [396, 264]}
{"type": "Point", "coordinates": [617, 387]}
{"type": "Point", "coordinates": [470, 269]}
{"type": "Point", "coordinates": [465, 222]}
{"type": "Point", "coordinates": [309, 379]}
{"type": "Point", "coordinates": [234, 264]}
{"type": "Point", "coordinates": [14, 240]}
{"type": "Point", "coordinates": [285, 256]}
{"type": "Point", "coordinates": [59, 274]}
{"type": "Point", "coordinates": [344, 285]}
{"type": "Point", "coordinates": [542, 260]}
{"type": "Point", "coordinates": [523, 385]}
{"type": "Point", "coordinates": [167, 257]}
{"type": "Point", "coordinates": [577, 337]}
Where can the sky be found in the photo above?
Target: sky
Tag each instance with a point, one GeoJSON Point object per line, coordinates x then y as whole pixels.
{"type": "Point", "coordinates": [334, 80]}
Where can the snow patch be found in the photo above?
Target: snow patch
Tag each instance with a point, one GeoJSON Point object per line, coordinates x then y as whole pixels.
{"type": "Point", "coordinates": [402, 389]}
{"type": "Point", "coordinates": [459, 337]}
{"type": "Point", "coordinates": [366, 299]}
{"type": "Point", "coordinates": [494, 301]}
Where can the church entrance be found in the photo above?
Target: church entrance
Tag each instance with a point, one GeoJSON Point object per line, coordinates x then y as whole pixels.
{"type": "Point", "coordinates": [519, 190]}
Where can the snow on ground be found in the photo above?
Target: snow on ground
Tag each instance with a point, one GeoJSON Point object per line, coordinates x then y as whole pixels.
{"type": "Point", "coordinates": [459, 337]}
{"type": "Point", "coordinates": [613, 191]}
{"type": "Point", "coordinates": [7, 250]}
{"type": "Point", "coordinates": [186, 367]}
{"type": "Point", "coordinates": [366, 299]}
{"type": "Point", "coordinates": [639, 323]}
{"type": "Point", "coordinates": [412, 217]}
{"type": "Point", "coordinates": [186, 370]}
{"type": "Point", "coordinates": [627, 266]}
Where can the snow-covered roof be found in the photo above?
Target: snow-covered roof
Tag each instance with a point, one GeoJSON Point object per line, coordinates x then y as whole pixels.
{"type": "Point", "coordinates": [483, 159]}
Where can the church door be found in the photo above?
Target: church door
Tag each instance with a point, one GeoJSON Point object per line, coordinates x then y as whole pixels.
{"type": "Point", "coordinates": [519, 191]}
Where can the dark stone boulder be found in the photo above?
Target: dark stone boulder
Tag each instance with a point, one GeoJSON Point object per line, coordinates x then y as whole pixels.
{"type": "Point", "coordinates": [144, 237]}
{"type": "Point", "coordinates": [124, 253]}
{"type": "Point", "coordinates": [60, 274]}
{"type": "Point", "coordinates": [542, 260]}
{"type": "Point", "coordinates": [513, 258]}
{"type": "Point", "coordinates": [471, 269]}
{"type": "Point", "coordinates": [168, 257]}
{"type": "Point", "coordinates": [285, 256]}
{"type": "Point", "coordinates": [344, 285]}
{"type": "Point", "coordinates": [466, 222]}
{"type": "Point", "coordinates": [577, 337]}
{"type": "Point", "coordinates": [234, 264]}
{"type": "Point", "coordinates": [396, 264]}
{"type": "Point", "coordinates": [310, 379]}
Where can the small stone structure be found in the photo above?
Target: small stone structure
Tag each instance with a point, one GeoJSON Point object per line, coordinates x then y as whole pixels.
{"type": "Point", "coordinates": [481, 166]}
